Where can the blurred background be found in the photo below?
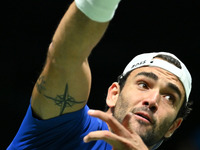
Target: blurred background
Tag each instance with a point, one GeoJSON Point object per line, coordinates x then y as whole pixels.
{"type": "Point", "coordinates": [139, 26]}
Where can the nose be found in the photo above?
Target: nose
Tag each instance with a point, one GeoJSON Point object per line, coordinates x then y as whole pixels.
{"type": "Point", "coordinates": [151, 101]}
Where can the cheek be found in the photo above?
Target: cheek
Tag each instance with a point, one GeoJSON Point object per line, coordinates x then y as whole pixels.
{"type": "Point", "coordinates": [166, 112]}
{"type": "Point", "coordinates": [164, 120]}
{"type": "Point", "coordinates": [127, 100]}
{"type": "Point", "coordinates": [122, 107]}
{"type": "Point", "coordinates": [163, 127]}
{"type": "Point", "coordinates": [131, 95]}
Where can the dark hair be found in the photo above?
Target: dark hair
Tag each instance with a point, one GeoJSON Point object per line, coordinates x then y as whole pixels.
{"type": "Point", "coordinates": [186, 106]}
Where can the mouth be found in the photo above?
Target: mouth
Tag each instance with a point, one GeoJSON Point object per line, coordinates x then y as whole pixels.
{"type": "Point", "coordinates": [145, 117]}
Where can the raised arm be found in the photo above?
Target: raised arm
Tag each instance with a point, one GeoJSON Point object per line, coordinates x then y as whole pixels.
{"type": "Point", "coordinates": [64, 84]}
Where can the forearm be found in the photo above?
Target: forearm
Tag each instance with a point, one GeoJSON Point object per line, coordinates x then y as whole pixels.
{"type": "Point", "coordinates": [75, 36]}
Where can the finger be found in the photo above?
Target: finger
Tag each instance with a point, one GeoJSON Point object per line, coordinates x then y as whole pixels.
{"type": "Point", "coordinates": [96, 135]}
{"type": "Point", "coordinates": [109, 137]}
{"type": "Point", "coordinates": [126, 122]}
{"type": "Point", "coordinates": [113, 123]}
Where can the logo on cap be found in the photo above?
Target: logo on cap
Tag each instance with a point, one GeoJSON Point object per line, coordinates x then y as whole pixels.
{"type": "Point", "coordinates": [138, 64]}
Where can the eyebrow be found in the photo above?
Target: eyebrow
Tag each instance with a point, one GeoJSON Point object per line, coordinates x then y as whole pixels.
{"type": "Point", "coordinates": [149, 75]}
{"type": "Point", "coordinates": [155, 77]}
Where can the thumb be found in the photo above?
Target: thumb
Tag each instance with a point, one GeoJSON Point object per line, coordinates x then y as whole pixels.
{"type": "Point", "coordinates": [126, 122]}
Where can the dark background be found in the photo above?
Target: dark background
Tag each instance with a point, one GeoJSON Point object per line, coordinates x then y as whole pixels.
{"type": "Point", "coordinates": [139, 26]}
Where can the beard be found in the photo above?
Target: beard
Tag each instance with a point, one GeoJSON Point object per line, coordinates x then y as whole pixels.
{"type": "Point", "coordinates": [150, 134]}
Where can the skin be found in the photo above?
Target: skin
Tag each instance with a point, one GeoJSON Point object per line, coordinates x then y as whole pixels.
{"type": "Point", "coordinates": [65, 82]}
{"type": "Point", "coordinates": [144, 94]}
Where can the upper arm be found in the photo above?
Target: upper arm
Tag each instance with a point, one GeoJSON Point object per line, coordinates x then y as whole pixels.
{"type": "Point", "coordinates": [65, 81]}
{"type": "Point", "coordinates": [61, 90]}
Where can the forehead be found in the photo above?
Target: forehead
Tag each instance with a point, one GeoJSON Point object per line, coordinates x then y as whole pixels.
{"type": "Point", "coordinates": [162, 75]}
{"type": "Point", "coordinates": [159, 72]}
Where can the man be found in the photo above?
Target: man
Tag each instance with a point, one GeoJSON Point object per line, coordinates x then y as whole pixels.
{"type": "Point", "coordinates": [146, 105]}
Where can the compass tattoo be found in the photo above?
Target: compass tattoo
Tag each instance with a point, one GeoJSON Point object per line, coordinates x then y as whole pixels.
{"type": "Point", "coordinates": [63, 100]}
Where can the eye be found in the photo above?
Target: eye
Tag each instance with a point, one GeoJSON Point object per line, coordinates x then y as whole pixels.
{"type": "Point", "coordinates": [143, 85]}
{"type": "Point", "coordinates": [170, 98]}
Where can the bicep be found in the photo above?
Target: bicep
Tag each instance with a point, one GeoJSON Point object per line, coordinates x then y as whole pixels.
{"type": "Point", "coordinates": [61, 89]}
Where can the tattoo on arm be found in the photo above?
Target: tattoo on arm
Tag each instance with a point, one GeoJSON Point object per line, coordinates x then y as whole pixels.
{"type": "Point", "coordinates": [64, 100]}
{"type": "Point", "coordinates": [40, 84]}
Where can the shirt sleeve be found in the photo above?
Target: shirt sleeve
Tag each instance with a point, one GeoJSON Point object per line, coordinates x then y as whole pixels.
{"type": "Point", "coordinates": [34, 133]}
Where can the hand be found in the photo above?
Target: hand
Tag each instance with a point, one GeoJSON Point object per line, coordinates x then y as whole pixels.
{"type": "Point", "coordinates": [122, 136]}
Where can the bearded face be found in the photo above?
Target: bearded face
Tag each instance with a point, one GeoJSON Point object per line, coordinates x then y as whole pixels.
{"type": "Point", "coordinates": [154, 96]}
{"type": "Point", "coordinates": [150, 131]}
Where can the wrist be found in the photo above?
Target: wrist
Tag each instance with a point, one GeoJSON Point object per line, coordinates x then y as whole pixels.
{"type": "Point", "coordinates": [98, 10]}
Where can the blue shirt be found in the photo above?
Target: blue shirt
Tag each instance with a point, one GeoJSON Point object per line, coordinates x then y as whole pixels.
{"type": "Point", "coordinates": [63, 132]}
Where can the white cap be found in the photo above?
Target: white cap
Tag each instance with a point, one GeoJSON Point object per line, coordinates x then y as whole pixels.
{"type": "Point", "coordinates": [147, 59]}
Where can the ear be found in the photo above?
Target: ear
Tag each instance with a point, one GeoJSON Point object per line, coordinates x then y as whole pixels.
{"type": "Point", "coordinates": [173, 127]}
{"type": "Point", "coordinates": [113, 93]}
